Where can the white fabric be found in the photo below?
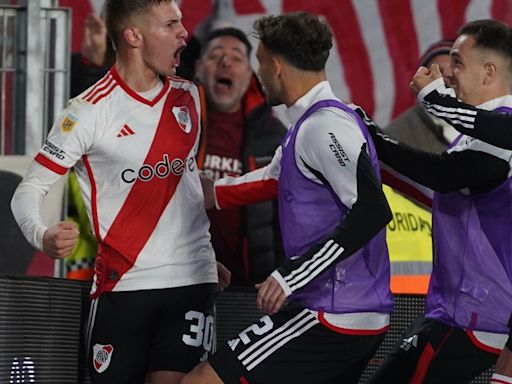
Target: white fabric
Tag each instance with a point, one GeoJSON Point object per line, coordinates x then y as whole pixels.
{"type": "Point", "coordinates": [500, 379]}
{"type": "Point", "coordinates": [370, 321]}
{"type": "Point", "coordinates": [467, 142]}
{"type": "Point", "coordinates": [27, 201]}
{"type": "Point", "coordinates": [489, 339]}
{"type": "Point", "coordinates": [329, 141]}
{"type": "Point", "coordinates": [91, 135]}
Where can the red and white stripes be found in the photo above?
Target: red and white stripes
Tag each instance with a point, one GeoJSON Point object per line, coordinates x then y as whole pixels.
{"type": "Point", "coordinates": [377, 42]}
{"type": "Point", "coordinates": [101, 89]}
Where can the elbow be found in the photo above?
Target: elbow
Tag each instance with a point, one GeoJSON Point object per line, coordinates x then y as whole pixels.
{"type": "Point", "coordinates": [377, 217]}
{"type": "Point", "coordinates": [14, 206]}
{"type": "Point", "coordinates": [387, 215]}
{"type": "Point", "coordinates": [384, 213]}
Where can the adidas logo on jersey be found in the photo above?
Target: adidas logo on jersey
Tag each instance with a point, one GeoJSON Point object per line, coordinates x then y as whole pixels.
{"type": "Point", "coordinates": [126, 131]}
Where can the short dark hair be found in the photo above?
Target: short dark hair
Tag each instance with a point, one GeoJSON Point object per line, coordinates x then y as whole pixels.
{"type": "Point", "coordinates": [301, 38]}
{"type": "Point", "coordinates": [227, 31]}
{"type": "Point", "coordinates": [115, 12]}
{"type": "Point", "coordinates": [490, 34]}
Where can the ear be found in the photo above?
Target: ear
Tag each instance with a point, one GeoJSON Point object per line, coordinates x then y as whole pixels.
{"type": "Point", "coordinates": [277, 65]}
{"type": "Point", "coordinates": [490, 72]}
{"type": "Point", "coordinates": [132, 36]}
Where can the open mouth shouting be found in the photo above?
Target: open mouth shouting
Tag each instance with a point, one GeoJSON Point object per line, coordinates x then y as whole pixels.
{"type": "Point", "coordinates": [223, 84]}
{"type": "Point", "coordinates": [177, 56]}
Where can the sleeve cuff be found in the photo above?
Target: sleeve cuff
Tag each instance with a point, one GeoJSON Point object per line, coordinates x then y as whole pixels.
{"type": "Point", "coordinates": [437, 84]}
{"type": "Point", "coordinates": [280, 279]}
{"type": "Point", "coordinates": [38, 241]}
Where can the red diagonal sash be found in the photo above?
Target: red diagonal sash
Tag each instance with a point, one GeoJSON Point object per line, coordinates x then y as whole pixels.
{"type": "Point", "coordinates": [146, 201]}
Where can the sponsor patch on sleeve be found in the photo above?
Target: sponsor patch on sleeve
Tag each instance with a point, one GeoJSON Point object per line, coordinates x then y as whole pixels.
{"type": "Point", "coordinates": [68, 123]}
{"type": "Point", "coordinates": [53, 150]}
{"type": "Point", "coordinates": [337, 150]}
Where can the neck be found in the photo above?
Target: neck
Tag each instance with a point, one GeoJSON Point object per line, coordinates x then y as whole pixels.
{"type": "Point", "coordinates": [135, 73]}
{"type": "Point", "coordinates": [223, 108]}
{"type": "Point", "coordinates": [298, 83]}
{"type": "Point", "coordinates": [491, 95]}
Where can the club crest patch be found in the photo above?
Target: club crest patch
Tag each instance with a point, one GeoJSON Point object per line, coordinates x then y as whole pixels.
{"type": "Point", "coordinates": [102, 354]}
{"type": "Point", "coordinates": [183, 118]}
{"type": "Point", "coordinates": [68, 123]}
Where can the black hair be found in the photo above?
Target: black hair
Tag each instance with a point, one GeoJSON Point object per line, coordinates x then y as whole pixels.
{"type": "Point", "coordinates": [303, 39]}
{"type": "Point", "coordinates": [490, 34]}
{"type": "Point", "coordinates": [228, 31]}
{"type": "Point", "coordinates": [116, 12]}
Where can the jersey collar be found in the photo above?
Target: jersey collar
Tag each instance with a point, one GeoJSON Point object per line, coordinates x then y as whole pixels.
{"type": "Point", "coordinates": [135, 95]}
{"type": "Point", "coordinates": [320, 91]}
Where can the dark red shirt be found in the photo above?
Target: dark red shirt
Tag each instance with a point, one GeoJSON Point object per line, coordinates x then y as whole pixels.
{"type": "Point", "coordinates": [224, 137]}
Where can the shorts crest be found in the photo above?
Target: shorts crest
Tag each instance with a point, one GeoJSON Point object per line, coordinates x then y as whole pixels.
{"type": "Point", "coordinates": [102, 354]}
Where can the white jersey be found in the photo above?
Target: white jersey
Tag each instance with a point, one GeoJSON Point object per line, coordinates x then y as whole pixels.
{"type": "Point", "coordinates": [135, 162]}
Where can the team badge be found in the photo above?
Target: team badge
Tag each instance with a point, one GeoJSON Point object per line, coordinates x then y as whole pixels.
{"type": "Point", "coordinates": [102, 354]}
{"type": "Point", "coordinates": [68, 123]}
{"type": "Point", "coordinates": [183, 118]}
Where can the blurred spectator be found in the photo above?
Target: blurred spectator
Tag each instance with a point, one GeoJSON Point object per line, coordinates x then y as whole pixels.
{"type": "Point", "coordinates": [95, 57]}
{"type": "Point", "coordinates": [239, 135]}
{"type": "Point", "coordinates": [415, 126]}
{"type": "Point", "coordinates": [80, 264]}
{"type": "Point", "coordinates": [409, 234]}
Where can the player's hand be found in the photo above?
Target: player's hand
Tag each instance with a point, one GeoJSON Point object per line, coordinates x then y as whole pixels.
{"type": "Point", "coordinates": [59, 240]}
{"type": "Point", "coordinates": [94, 42]}
{"type": "Point", "coordinates": [270, 296]}
{"type": "Point", "coordinates": [208, 190]}
{"type": "Point", "coordinates": [224, 276]}
{"type": "Point", "coordinates": [424, 76]}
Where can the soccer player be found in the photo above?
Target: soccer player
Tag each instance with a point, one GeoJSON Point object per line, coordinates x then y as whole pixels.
{"type": "Point", "coordinates": [468, 302]}
{"type": "Point", "coordinates": [333, 215]}
{"type": "Point", "coordinates": [492, 127]}
{"type": "Point", "coordinates": [132, 138]}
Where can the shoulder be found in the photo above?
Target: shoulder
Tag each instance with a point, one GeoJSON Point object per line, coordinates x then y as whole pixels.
{"type": "Point", "coordinates": [329, 131]}
{"type": "Point", "coordinates": [180, 86]}
{"type": "Point", "coordinates": [99, 91]}
{"type": "Point", "coordinates": [181, 83]}
{"type": "Point", "coordinates": [79, 109]}
{"type": "Point", "coordinates": [329, 121]}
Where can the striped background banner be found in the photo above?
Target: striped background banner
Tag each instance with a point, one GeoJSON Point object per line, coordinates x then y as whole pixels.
{"type": "Point", "coordinates": [377, 42]}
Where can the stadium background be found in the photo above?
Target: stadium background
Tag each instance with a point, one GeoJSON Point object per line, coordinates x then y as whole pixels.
{"type": "Point", "coordinates": [377, 48]}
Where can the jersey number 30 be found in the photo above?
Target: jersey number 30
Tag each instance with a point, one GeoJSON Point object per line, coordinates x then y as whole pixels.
{"type": "Point", "coordinates": [201, 330]}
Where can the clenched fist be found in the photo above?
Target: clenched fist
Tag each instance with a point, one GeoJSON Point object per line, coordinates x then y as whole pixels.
{"type": "Point", "coordinates": [59, 240]}
{"type": "Point", "coordinates": [424, 76]}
